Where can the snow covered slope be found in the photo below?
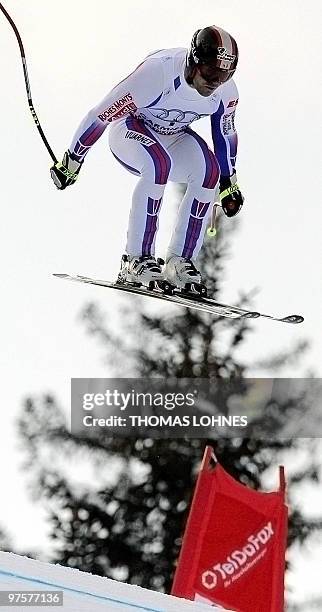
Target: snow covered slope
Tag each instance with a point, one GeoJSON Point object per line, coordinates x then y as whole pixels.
{"type": "Point", "coordinates": [85, 592]}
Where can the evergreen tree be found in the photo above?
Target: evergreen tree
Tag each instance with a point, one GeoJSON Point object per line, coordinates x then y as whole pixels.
{"type": "Point", "coordinates": [126, 519]}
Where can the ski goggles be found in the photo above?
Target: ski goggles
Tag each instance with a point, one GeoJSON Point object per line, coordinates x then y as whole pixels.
{"type": "Point", "coordinates": [212, 74]}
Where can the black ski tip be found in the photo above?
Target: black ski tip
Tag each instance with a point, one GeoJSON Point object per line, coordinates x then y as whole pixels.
{"type": "Point", "coordinates": [61, 275]}
{"type": "Point", "coordinates": [293, 319]}
{"type": "Point", "coordinates": [251, 315]}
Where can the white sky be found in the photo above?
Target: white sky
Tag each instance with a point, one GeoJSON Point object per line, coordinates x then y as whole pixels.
{"type": "Point", "coordinates": [76, 52]}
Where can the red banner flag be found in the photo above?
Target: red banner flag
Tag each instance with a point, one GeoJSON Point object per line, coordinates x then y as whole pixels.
{"type": "Point", "coordinates": [233, 551]}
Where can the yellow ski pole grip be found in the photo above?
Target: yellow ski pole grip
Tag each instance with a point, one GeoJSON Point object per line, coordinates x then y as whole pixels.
{"type": "Point", "coordinates": [211, 231]}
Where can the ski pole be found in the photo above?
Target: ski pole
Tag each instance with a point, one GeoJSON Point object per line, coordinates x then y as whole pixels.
{"type": "Point", "coordinates": [27, 84]}
{"type": "Point", "coordinates": [212, 231]}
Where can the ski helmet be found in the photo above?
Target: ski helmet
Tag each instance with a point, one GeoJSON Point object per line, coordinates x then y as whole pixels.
{"type": "Point", "coordinates": [214, 52]}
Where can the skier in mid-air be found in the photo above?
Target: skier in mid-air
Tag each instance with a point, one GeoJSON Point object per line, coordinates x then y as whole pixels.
{"type": "Point", "coordinates": [150, 113]}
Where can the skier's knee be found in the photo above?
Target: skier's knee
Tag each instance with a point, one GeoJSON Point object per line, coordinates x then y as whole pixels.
{"type": "Point", "coordinates": [157, 166]}
{"type": "Point", "coordinates": [212, 172]}
{"type": "Point", "coordinates": [162, 166]}
{"type": "Point", "coordinates": [202, 194]}
{"type": "Point", "coordinates": [148, 187]}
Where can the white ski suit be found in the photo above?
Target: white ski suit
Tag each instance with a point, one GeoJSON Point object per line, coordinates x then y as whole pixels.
{"type": "Point", "coordinates": [150, 113]}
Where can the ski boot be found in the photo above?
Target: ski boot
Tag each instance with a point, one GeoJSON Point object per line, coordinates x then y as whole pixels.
{"type": "Point", "coordinates": [182, 272]}
{"type": "Point", "coordinates": [145, 270]}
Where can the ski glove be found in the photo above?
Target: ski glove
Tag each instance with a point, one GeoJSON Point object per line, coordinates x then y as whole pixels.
{"type": "Point", "coordinates": [230, 195]}
{"type": "Point", "coordinates": [66, 172]}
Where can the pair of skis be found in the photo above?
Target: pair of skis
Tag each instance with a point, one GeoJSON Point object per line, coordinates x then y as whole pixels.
{"type": "Point", "coordinates": [196, 302]}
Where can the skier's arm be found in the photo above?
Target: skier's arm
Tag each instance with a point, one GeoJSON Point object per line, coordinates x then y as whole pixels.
{"type": "Point", "coordinates": [223, 130]}
{"type": "Point", "coordinates": [139, 89]}
{"type": "Point", "coordinates": [225, 141]}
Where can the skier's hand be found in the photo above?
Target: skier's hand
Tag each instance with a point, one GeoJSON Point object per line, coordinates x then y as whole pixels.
{"type": "Point", "coordinates": [231, 198]}
{"type": "Point", "coordinates": [66, 172]}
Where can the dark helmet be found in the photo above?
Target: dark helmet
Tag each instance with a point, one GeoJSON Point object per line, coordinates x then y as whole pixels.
{"type": "Point", "coordinates": [215, 49]}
